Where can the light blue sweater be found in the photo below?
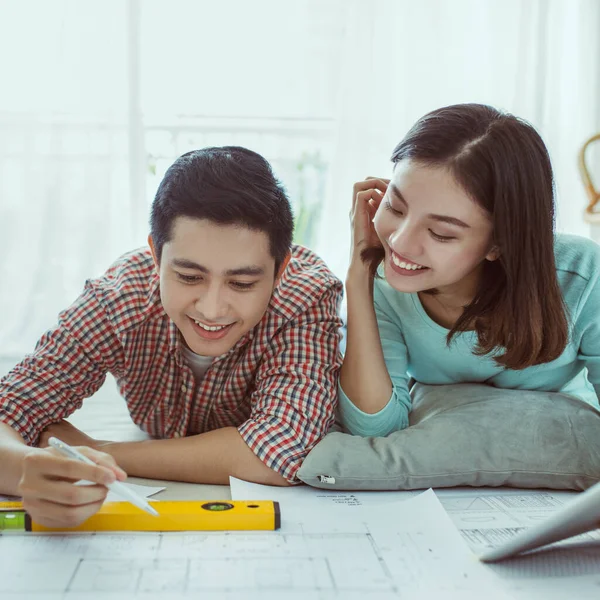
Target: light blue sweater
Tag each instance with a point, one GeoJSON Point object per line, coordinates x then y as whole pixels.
{"type": "Point", "coordinates": [415, 346]}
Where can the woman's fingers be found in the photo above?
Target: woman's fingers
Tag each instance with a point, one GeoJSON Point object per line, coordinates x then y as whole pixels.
{"type": "Point", "coordinates": [373, 183]}
{"type": "Point", "coordinates": [365, 199]}
{"type": "Point", "coordinates": [363, 230]}
{"type": "Point", "coordinates": [373, 205]}
{"type": "Point", "coordinates": [386, 181]}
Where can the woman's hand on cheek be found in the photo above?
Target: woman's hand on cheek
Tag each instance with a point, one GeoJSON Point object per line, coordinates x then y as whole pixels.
{"type": "Point", "coordinates": [366, 198]}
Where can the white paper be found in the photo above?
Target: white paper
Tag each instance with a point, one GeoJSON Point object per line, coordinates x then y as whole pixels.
{"type": "Point", "coordinates": [145, 491]}
{"type": "Point", "coordinates": [297, 500]}
{"type": "Point", "coordinates": [484, 517]}
{"type": "Point", "coordinates": [403, 550]}
{"type": "Point", "coordinates": [488, 517]}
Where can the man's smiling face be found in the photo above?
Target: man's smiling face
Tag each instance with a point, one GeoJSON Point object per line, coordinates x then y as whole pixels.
{"type": "Point", "coordinates": [216, 282]}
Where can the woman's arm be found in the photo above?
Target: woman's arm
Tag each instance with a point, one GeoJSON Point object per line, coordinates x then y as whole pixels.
{"type": "Point", "coordinates": [364, 377]}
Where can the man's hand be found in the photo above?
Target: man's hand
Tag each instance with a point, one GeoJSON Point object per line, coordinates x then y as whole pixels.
{"type": "Point", "coordinates": [48, 487]}
{"type": "Point", "coordinates": [65, 432]}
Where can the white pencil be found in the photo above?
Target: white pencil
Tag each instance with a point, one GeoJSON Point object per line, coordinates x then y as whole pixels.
{"type": "Point", "coordinates": [117, 487]}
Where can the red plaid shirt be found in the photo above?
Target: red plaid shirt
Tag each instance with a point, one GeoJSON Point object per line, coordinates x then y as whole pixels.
{"type": "Point", "coordinates": [277, 385]}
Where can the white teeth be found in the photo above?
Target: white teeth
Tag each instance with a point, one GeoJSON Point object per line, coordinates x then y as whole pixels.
{"type": "Point", "coordinates": [405, 265]}
{"type": "Point", "coordinates": [207, 328]}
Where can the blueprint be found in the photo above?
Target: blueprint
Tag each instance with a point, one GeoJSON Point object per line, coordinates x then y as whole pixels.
{"type": "Point", "coordinates": [488, 517]}
{"type": "Point", "coordinates": [350, 545]}
{"type": "Point", "coordinates": [480, 510]}
{"type": "Point", "coordinates": [484, 517]}
{"type": "Point", "coordinates": [380, 555]}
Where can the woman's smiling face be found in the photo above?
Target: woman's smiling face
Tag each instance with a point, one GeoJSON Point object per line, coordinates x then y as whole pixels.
{"type": "Point", "coordinates": [434, 235]}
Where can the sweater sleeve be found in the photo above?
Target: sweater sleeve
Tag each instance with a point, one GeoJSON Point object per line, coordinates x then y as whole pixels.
{"type": "Point", "coordinates": [588, 324]}
{"type": "Point", "coordinates": [394, 415]}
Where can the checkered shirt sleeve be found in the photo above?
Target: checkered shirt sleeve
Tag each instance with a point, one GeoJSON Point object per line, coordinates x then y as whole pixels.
{"type": "Point", "coordinates": [294, 400]}
{"type": "Point", "coordinates": [69, 364]}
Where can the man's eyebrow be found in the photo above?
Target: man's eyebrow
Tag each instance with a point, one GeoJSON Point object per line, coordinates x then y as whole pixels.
{"type": "Point", "coordinates": [249, 270]}
{"type": "Point", "coordinates": [441, 218]}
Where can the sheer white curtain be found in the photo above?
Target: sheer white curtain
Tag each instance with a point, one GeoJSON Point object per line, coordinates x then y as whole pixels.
{"type": "Point", "coordinates": [97, 98]}
{"type": "Point", "coordinates": [539, 59]}
{"type": "Point", "coordinates": [65, 205]}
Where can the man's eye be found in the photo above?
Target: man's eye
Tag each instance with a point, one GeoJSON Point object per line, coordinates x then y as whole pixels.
{"type": "Point", "coordinates": [240, 285]}
{"type": "Point", "coordinates": [188, 278]}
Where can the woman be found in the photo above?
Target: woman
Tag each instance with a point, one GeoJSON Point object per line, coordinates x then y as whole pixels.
{"type": "Point", "coordinates": [456, 274]}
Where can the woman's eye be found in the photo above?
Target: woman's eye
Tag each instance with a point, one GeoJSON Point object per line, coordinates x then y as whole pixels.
{"type": "Point", "coordinates": [188, 278]}
{"type": "Point", "coordinates": [239, 285]}
{"type": "Point", "coordinates": [388, 206]}
{"type": "Point", "coordinates": [441, 238]}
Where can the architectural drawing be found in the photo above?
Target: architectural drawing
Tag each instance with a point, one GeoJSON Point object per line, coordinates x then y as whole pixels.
{"type": "Point", "coordinates": [375, 554]}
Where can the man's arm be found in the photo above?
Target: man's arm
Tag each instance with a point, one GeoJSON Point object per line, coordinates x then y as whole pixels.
{"type": "Point", "coordinates": [204, 458]}
{"type": "Point", "coordinates": [12, 452]}
{"type": "Point", "coordinates": [69, 364]}
{"type": "Point", "coordinates": [292, 408]}
{"type": "Point", "coordinates": [293, 404]}
{"type": "Point", "coordinates": [43, 388]}
{"type": "Point", "coordinates": [45, 480]}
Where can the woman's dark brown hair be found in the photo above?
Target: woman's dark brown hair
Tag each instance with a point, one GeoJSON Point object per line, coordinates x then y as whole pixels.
{"type": "Point", "coordinates": [502, 164]}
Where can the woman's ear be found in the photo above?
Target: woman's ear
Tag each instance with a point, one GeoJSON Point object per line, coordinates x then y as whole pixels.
{"type": "Point", "coordinates": [154, 257]}
{"type": "Point", "coordinates": [493, 254]}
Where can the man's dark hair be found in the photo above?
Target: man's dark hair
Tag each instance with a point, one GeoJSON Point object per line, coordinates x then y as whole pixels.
{"type": "Point", "coordinates": [227, 185]}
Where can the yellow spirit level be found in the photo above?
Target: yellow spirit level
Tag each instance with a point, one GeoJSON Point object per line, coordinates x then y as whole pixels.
{"type": "Point", "coordinates": [174, 515]}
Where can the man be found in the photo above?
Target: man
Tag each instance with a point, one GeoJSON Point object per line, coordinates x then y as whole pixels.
{"type": "Point", "coordinates": [223, 339]}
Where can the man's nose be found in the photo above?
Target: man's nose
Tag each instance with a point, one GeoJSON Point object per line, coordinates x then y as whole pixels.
{"type": "Point", "coordinates": [212, 305]}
